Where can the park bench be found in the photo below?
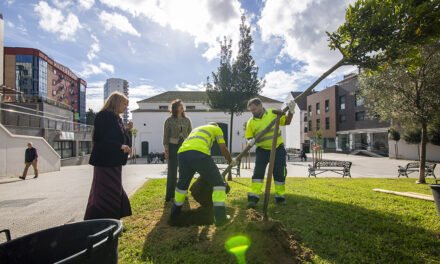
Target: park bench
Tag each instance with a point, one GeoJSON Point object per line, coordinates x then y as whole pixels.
{"type": "Point", "coordinates": [220, 160]}
{"type": "Point", "coordinates": [414, 167]}
{"type": "Point", "coordinates": [340, 167]}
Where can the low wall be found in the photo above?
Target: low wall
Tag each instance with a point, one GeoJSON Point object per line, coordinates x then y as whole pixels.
{"type": "Point", "coordinates": [410, 152]}
{"type": "Point", "coordinates": [13, 147]}
{"type": "Point", "coordinates": [74, 161]}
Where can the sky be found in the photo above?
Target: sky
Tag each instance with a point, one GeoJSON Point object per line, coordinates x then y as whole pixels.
{"type": "Point", "coordinates": [164, 45]}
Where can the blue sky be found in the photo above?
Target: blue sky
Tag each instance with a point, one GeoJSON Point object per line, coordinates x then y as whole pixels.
{"type": "Point", "coordinates": [160, 45]}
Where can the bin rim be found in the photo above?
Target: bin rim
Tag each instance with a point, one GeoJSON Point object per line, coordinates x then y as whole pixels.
{"type": "Point", "coordinates": [117, 230]}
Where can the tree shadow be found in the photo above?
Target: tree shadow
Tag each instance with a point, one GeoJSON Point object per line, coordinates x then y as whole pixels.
{"type": "Point", "coordinates": [346, 233]}
{"type": "Point", "coordinates": [182, 242]}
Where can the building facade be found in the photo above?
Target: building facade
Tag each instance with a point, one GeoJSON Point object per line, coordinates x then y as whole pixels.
{"type": "Point", "coordinates": [38, 76]}
{"type": "Point", "coordinates": [1, 48]}
{"type": "Point", "coordinates": [357, 128]}
{"type": "Point", "coordinates": [321, 113]}
{"type": "Point", "coordinates": [153, 112]}
{"type": "Point", "coordinates": [117, 85]}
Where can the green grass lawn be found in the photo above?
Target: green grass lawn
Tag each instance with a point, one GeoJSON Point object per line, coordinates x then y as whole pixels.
{"type": "Point", "coordinates": [339, 220]}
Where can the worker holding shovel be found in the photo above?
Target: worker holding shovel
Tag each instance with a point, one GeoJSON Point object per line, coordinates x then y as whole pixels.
{"type": "Point", "coordinates": [258, 122]}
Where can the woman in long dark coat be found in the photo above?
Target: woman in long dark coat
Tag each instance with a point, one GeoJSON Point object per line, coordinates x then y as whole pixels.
{"type": "Point", "coordinates": [110, 152]}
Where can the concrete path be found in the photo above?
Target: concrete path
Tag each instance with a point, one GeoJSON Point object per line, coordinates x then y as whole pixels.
{"type": "Point", "coordinates": [57, 198]}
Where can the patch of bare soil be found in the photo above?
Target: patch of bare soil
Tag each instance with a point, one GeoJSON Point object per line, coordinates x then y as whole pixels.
{"type": "Point", "coordinates": [271, 241]}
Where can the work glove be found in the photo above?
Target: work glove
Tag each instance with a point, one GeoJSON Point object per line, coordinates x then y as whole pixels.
{"type": "Point", "coordinates": [291, 104]}
{"type": "Point", "coordinates": [251, 141]}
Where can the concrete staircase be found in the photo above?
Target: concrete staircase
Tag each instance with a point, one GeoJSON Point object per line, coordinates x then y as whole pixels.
{"type": "Point", "coordinates": [366, 153]}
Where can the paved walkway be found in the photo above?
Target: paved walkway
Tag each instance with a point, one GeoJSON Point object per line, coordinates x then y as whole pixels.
{"type": "Point", "coordinates": [60, 197]}
{"type": "Point", "coordinates": [57, 198]}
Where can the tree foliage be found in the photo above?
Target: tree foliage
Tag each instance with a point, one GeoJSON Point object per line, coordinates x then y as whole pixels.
{"type": "Point", "coordinates": [235, 81]}
{"type": "Point", "coordinates": [381, 31]}
{"type": "Point", "coordinates": [90, 117]}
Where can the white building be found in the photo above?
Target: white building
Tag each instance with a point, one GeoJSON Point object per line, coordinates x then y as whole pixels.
{"type": "Point", "coordinates": [296, 133]}
{"type": "Point", "coordinates": [153, 112]}
{"type": "Point", "coordinates": [1, 48]}
{"type": "Point", "coordinates": [116, 85]}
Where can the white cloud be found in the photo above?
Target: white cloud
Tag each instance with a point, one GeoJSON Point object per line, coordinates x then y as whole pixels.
{"type": "Point", "coordinates": [279, 84]}
{"type": "Point", "coordinates": [140, 92]}
{"type": "Point", "coordinates": [86, 4]}
{"type": "Point", "coordinates": [301, 24]}
{"type": "Point", "coordinates": [130, 46]}
{"type": "Point", "coordinates": [90, 69]}
{"type": "Point", "coordinates": [54, 21]}
{"type": "Point", "coordinates": [190, 87]}
{"type": "Point", "coordinates": [118, 22]}
{"type": "Point", "coordinates": [107, 67]}
{"type": "Point", "coordinates": [94, 48]}
{"type": "Point", "coordinates": [205, 20]}
{"type": "Point", "coordinates": [10, 24]}
{"type": "Point", "coordinates": [62, 3]}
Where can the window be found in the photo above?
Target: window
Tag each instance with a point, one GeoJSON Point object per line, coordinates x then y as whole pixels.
{"type": "Point", "coordinates": [359, 100]}
{"type": "Point", "coordinates": [310, 125]}
{"type": "Point", "coordinates": [360, 116]}
{"type": "Point", "coordinates": [310, 110]}
{"type": "Point", "coordinates": [163, 107]}
{"type": "Point", "coordinates": [305, 130]}
{"type": "Point", "coordinates": [64, 148]}
{"type": "Point", "coordinates": [327, 105]}
{"type": "Point", "coordinates": [190, 107]}
{"type": "Point", "coordinates": [85, 146]}
{"type": "Point", "coordinates": [318, 108]}
{"type": "Point", "coordinates": [327, 123]}
{"type": "Point", "coordinates": [318, 124]}
{"type": "Point", "coordinates": [305, 117]}
{"type": "Point", "coordinates": [342, 102]}
{"type": "Point", "coordinates": [342, 118]}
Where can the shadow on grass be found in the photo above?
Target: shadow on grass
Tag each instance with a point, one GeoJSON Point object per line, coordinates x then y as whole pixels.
{"type": "Point", "coordinates": [346, 233]}
{"type": "Point", "coordinates": [190, 242]}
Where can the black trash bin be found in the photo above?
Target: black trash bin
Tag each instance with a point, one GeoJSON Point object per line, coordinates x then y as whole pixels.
{"type": "Point", "coordinates": [436, 193]}
{"type": "Point", "coordinates": [92, 241]}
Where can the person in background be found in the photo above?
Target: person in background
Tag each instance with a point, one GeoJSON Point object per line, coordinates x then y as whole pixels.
{"type": "Point", "coordinates": [129, 134]}
{"type": "Point", "coordinates": [175, 130]}
{"type": "Point", "coordinates": [30, 158]}
{"type": "Point", "coordinates": [110, 151]}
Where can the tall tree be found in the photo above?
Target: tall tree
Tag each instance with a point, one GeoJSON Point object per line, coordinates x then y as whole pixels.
{"type": "Point", "coordinates": [407, 90]}
{"type": "Point", "coordinates": [235, 81]}
{"type": "Point", "coordinates": [90, 117]}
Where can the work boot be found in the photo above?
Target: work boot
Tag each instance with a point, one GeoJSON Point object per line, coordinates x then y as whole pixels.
{"type": "Point", "coordinates": [220, 215]}
{"type": "Point", "coordinates": [252, 201]}
{"type": "Point", "coordinates": [174, 215]}
{"type": "Point", "coordinates": [280, 200]}
{"type": "Point", "coordinates": [22, 177]}
{"type": "Point", "coordinates": [252, 204]}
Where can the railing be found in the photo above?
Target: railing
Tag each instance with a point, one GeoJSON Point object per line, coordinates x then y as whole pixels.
{"type": "Point", "coordinates": [38, 119]}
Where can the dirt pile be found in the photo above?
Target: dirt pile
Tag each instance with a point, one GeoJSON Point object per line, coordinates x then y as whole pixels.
{"type": "Point", "coordinates": [271, 241]}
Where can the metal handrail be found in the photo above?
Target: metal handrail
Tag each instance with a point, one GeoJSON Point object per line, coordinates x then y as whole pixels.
{"type": "Point", "coordinates": [59, 124]}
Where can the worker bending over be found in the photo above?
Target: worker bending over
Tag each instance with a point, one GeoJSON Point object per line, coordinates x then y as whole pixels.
{"type": "Point", "coordinates": [195, 156]}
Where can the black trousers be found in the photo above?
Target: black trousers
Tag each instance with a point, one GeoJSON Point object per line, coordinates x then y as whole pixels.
{"type": "Point", "coordinates": [195, 161]}
{"type": "Point", "coordinates": [173, 163]}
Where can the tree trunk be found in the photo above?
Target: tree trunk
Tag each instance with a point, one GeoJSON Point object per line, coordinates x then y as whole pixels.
{"type": "Point", "coordinates": [423, 153]}
{"type": "Point", "coordinates": [230, 141]}
{"type": "Point", "coordinates": [322, 77]}
{"type": "Point", "coordinates": [397, 150]}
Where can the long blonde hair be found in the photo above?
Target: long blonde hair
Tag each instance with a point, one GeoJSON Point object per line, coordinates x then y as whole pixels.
{"type": "Point", "coordinates": [114, 102]}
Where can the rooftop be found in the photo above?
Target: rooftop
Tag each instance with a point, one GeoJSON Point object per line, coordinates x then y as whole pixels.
{"type": "Point", "coordinates": [190, 97]}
